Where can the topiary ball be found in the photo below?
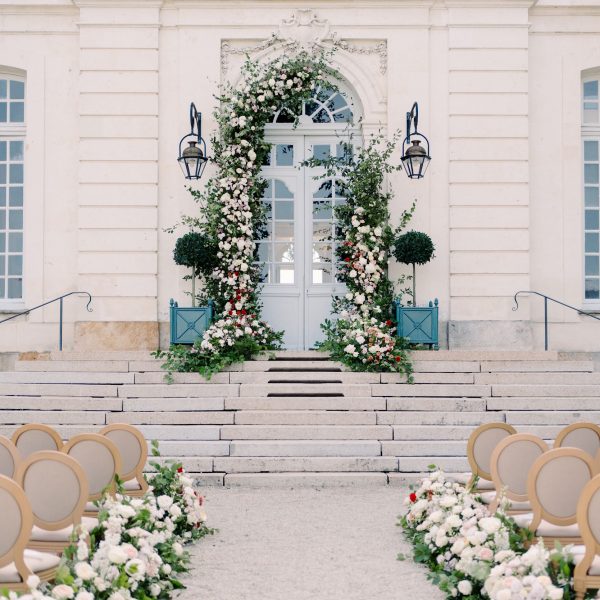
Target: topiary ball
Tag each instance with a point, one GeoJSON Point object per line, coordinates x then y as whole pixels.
{"type": "Point", "coordinates": [413, 247]}
{"type": "Point", "coordinates": [196, 251]}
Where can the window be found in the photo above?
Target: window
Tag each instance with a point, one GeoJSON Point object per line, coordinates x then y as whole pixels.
{"type": "Point", "coordinates": [326, 106]}
{"type": "Point", "coordinates": [12, 141]}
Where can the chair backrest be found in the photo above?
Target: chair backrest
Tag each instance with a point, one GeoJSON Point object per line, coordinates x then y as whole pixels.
{"type": "Point", "coordinates": [36, 437]}
{"type": "Point", "coordinates": [16, 522]}
{"type": "Point", "coordinates": [100, 459]}
{"type": "Point", "coordinates": [588, 521]}
{"type": "Point", "coordinates": [56, 487]}
{"type": "Point", "coordinates": [585, 436]}
{"type": "Point", "coordinates": [132, 446]}
{"type": "Point", "coordinates": [481, 445]}
{"type": "Point", "coordinates": [511, 461]}
{"type": "Point", "coordinates": [555, 483]}
{"type": "Point", "coordinates": [9, 457]}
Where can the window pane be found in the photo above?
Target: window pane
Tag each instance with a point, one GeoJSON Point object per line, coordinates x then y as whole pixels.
{"type": "Point", "coordinates": [284, 209]}
{"type": "Point", "coordinates": [343, 116]}
{"type": "Point", "coordinates": [322, 209]}
{"type": "Point", "coordinates": [16, 173]}
{"type": "Point", "coordinates": [590, 151]}
{"type": "Point", "coordinates": [321, 151]}
{"type": "Point", "coordinates": [268, 193]}
{"type": "Point", "coordinates": [322, 232]}
{"type": "Point", "coordinates": [2, 264]}
{"type": "Point", "coordinates": [2, 196]}
{"type": "Point", "coordinates": [284, 231]}
{"type": "Point", "coordinates": [324, 190]}
{"type": "Point", "coordinates": [17, 90]}
{"type": "Point", "coordinates": [591, 173]}
{"type": "Point", "coordinates": [590, 112]}
{"type": "Point", "coordinates": [3, 88]}
{"type": "Point", "coordinates": [591, 197]}
{"type": "Point", "coordinates": [15, 242]}
{"type": "Point", "coordinates": [284, 274]}
{"type": "Point", "coordinates": [590, 89]}
{"type": "Point", "coordinates": [2, 288]}
{"type": "Point", "coordinates": [321, 274]}
{"type": "Point", "coordinates": [282, 190]}
{"type": "Point", "coordinates": [15, 219]}
{"type": "Point", "coordinates": [344, 151]}
{"type": "Point", "coordinates": [15, 288]}
{"type": "Point", "coordinates": [592, 289]}
{"type": "Point", "coordinates": [15, 265]}
{"type": "Point", "coordinates": [2, 219]}
{"type": "Point", "coordinates": [15, 196]}
{"type": "Point", "coordinates": [592, 242]}
{"type": "Point", "coordinates": [592, 265]}
{"type": "Point", "coordinates": [322, 117]}
{"type": "Point", "coordinates": [263, 252]}
{"type": "Point", "coordinates": [16, 151]}
{"type": "Point", "coordinates": [3, 151]}
{"type": "Point", "coordinates": [17, 112]}
{"type": "Point", "coordinates": [2, 242]}
{"type": "Point", "coordinates": [2, 174]}
{"type": "Point", "coordinates": [322, 253]}
{"type": "Point", "coordinates": [3, 112]}
{"type": "Point", "coordinates": [283, 253]}
{"type": "Point", "coordinates": [284, 154]}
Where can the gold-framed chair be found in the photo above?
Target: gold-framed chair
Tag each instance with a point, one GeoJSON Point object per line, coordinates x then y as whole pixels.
{"type": "Point", "coordinates": [101, 461]}
{"type": "Point", "coordinates": [587, 570]}
{"type": "Point", "coordinates": [511, 461]}
{"type": "Point", "coordinates": [57, 489]}
{"type": "Point", "coordinates": [36, 437]}
{"type": "Point", "coordinates": [585, 436]}
{"type": "Point", "coordinates": [16, 521]}
{"type": "Point", "coordinates": [9, 457]}
{"type": "Point", "coordinates": [133, 449]}
{"type": "Point", "coordinates": [554, 486]}
{"type": "Point", "coordinates": [480, 446]}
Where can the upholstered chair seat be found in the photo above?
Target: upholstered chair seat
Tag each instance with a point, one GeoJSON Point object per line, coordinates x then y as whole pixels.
{"type": "Point", "coordinates": [465, 479]}
{"type": "Point", "coordinates": [547, 529]}
{"type": "Point", "coordinates": [516, 505]}
{"type": "Point", "coordinates": [36, 562]}
{"type": "Point", "coordinates": [60, 535]}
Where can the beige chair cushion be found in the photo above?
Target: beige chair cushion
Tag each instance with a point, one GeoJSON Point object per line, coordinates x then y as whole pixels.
{"type": "Point", "coordinates": [546, 529]}
{"type": "Point", "coordinates": [36, 561]}
{"type": "Point", "coordinates": [131, 486]}
{"type": "Point", "coordinates": [464, 478]}
{"type": "Point", "coordinates": [90, 507]}
{"type": "Point", "coordinates": [489, 497]}
{"type": "Point", "coordinates": [60, 535]}
{"type": "Point", "coordinates": [578, 554]}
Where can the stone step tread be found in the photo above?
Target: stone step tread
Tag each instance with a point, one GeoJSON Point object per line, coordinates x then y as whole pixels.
{"type": "Point", "coordinates": [553, 417]}
{"type": "Point", "coordinates": [258, 366]}
{"type": "Point", "coordinates": [450, 464]}
{"type": "Point", "coordinates": [357, 389]}
{"type": "Point", "coordinates": [237, 464]}
{"type": "Point", "coordinates": [51, 417]}
{"type": "Point", "coordinates": [576, 390]}
{"type": "Point", "coordinates": [425, 389]}
{"type": "Point", "coordinates": [300, 448]}
{"type": "Point", "coordinates": [543, 403]}
{"type": "Point", "coordinates": [437, 418]}
{"type": "Point", "coordinates": [433, 378]}
{"type": "Point", "coordinates": [143, 366]}
{"type": "Point", "coordinates": [89, 366]}
{"type": "Point", "coordinates": [296, 480]}
{"type": "Point", "coordinates": [547, 378]}
{"type": "Point", "coordinates": [301, 432]}
{"type": "Point", "coordinates": [193, 448]}
{"type": "Point", "coordinates": [302, 377]}
{"type": "Point", "coordinates": [305, 403]}
{"type": "Point", "coordinates": [60, 403]}
{"type": "Point", "coordinates": [484, 355]}
{"type": "Point", "coordinates": [162, 377]}
{"type": "Point", "coordinates": [191, 390]}
{"type": "Point", "coordinates": [101, 355]}
{"type": "Point", "coordinates": [173, 404]}
{"type": "Point", "coordinates": [58, 389]}
{"type": "Point", "coordinates": [299, 354]}
{"type": "Point", "coordinates": [213, 417]}
{"type": "Point", "coordinates": [458, 432]}
{"type": "Point", "coordinates": [524, 366]}
{"type": "Point", "coordinates": [305, 417]}
{"type": "Point", "coordinates": [439, 403]}
{"type": "Point", "coordinates": [66, 377]}
{"type": "Point", "coordinates": [424, 448]}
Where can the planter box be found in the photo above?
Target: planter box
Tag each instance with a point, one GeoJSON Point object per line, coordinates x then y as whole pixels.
{"type": "Point", "coordinates": [419, 324]}
{"type": "Point", "coordinates": [188, 324]}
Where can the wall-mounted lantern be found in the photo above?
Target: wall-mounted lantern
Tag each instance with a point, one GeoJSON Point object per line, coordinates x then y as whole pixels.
{"type": "Point", "coordinates": [415, 157]}
{"type": "Point", "coordinates": [193, 159]}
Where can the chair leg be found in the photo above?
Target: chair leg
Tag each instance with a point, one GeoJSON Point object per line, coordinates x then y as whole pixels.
{"type": "Point", "coordinates": [580, 589]}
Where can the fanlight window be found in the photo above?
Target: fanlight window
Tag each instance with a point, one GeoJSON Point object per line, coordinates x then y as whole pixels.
{"type": "Point", "coordinates": [326, 106]}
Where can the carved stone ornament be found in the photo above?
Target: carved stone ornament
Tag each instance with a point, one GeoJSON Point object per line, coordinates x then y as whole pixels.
{"type": "Point", "coordinates": [304, 31]}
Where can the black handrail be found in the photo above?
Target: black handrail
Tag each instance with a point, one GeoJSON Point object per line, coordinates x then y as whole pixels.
{"type": "Point", "coordinates": [60, 320]}
{"type": "Point", "coordinates": [546, 298]}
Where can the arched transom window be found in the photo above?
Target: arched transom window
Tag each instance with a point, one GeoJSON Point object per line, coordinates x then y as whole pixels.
{"type": "Point", "coordinates": [327, 105]}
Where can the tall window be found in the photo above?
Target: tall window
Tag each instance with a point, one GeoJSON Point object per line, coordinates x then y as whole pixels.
{"type": "Point", "coordinates": [12, 136]}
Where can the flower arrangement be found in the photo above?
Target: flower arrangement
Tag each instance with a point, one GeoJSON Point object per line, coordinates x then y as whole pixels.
{"type": "Point", "coordinates": [233, 213]}
{"type": "Point", "coordinates": [472, 554]}
{"type": "Point", "coordinates": [363, 336]}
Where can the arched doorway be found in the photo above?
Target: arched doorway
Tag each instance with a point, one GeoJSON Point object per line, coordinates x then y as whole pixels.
{"type": "Point", "coordinates": [299, 276]}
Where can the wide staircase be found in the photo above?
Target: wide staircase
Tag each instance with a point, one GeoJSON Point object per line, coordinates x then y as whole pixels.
{"type": "Point", "coordinates": [302, 419]}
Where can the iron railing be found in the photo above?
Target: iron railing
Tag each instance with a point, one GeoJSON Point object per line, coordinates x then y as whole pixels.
{"type": "Point", "coordinates": [59, 299]}
{"type": "Point", "coordinates": [546, 298]}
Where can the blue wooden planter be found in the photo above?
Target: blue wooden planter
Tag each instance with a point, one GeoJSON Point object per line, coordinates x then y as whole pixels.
{"type": "Point", "coordinates": [419, 324]}
{"type": "Point", "coordinates": [188, 324]}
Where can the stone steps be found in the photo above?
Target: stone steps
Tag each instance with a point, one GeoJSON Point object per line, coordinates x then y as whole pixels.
{"type": "Point", "coordinates": [303, 419]}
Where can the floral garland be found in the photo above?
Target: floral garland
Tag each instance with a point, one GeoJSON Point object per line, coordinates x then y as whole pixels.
{"type": "Point", "coordinates": [473, 554]}
{"type": "Point", "coordinates": [233, 211]}
{"type": "Point", "coordinates": [364, 336]}
{"type": "Point", "coordinates": [136, 552]}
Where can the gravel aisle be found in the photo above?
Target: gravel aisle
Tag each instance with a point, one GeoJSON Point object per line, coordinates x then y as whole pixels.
{"type": "Point", "coordinates": [305, 544]}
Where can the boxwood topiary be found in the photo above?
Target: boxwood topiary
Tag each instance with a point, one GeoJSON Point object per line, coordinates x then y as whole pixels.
{"type": "Point", "coordinates": [414, 248]}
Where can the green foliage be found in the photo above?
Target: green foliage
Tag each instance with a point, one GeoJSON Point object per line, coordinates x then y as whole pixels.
{"type": "Point", "coordinates": [197, 251]}
{"type": "Point", "coordinates": [413, 247]}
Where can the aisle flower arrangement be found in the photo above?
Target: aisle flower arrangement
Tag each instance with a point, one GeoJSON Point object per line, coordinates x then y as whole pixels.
{"type": "Point", "coordinates": [363, 337]}
{"type": "Point", "coordinates": [473, 554]}
{"type": "Point", "coordinates": [137, 550]}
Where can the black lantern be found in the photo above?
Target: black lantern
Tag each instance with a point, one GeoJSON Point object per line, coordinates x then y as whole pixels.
{"type": "Point", "coordinates": [415, 157]}
{"type": "Point", "coordinates": [193, 159]}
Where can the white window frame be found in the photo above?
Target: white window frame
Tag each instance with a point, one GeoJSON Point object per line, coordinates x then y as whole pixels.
{"type": "Point", "coordinates": [15, 132]}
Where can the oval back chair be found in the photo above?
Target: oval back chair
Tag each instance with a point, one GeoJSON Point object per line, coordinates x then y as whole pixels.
{"type": "Point", "coordinates": [555, 483]}
{"type": "Point", "coordinates": [9, 457]}
{"type": "Point", "coordinates": [511, 461]}
{"type": "Point", "coordinates": [101, 461]}
{"type": "Point", "coordinates": [481, 445]}
{"type": "Point", "coordinates": [16, 522]}
{"type": "Point", "coordinates": [585, 436]}
{"type": "Point", "coordinates": [36, 437]}
{"type": "Point", "coordinates": [57, 489]}
{"type": "Point", "coordinates": [587, 571]}
{"type": "Point", "coordinates": [133, 449]}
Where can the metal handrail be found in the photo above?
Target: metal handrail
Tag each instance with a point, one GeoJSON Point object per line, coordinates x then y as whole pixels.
{"type": "Point", "coordinates": [58, 299]}
{"type": "Point", "coordinates": [546, 298]}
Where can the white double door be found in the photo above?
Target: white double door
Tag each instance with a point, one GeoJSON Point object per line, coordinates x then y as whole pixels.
{"type": "Point", "coordinates": [298, 245]}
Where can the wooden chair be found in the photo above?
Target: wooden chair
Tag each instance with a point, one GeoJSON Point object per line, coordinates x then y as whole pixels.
{"type": "Point", "coordinates": [556, 481]}
{"type": "Point", "coordinates": [133, 449]}
{"type": "Point", "coordinates": [479, 452]}
{"type": "Point", "coordinates": [16, 521]}
{"type": "Point", "coordinates": [587, 570]}
{"type": "Point", "coordinates": [36, 437]}
{"type": "Point", "coordinates": [101, 461]}
{"type": "Point", "coordinates": [9, 457]}
{"type": "Point", "coordinates": [57, 489]}
{"type": "Point", "coordinates": [585, 436]}
{"type": "Point", "coordinates": [511, 461]}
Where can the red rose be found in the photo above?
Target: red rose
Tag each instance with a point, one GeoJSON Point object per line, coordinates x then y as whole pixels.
{"type": "Point", "coordinates": [180, 470]}
{"type": "Point", "coordinates": [347, 259]}
{"type": "Point", "coordinates": [398, 359]}
{"type": "Point", "coordinates": [413, 497]}
{"type": "Point", "coordinates": [388, 323]}
{"type": "Point", "coordinates": [230, 313]}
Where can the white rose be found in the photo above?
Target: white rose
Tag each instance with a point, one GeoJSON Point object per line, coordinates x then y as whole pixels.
{"type": "Point", "coordinates": [465, 587]}
{"type": "Point", "coordinates": [84, 571]}
{"type": "Point", "coordinates": [166, 569]}
{"type": "Point", "coordinates": [164, 502]}
{"type": "Point", "coordinates": [83, 595]}
{"type": "Point", "coordinates": [135, 568]}
{"type": "Point", "coordinates": [32, 582]}
{"type": "Point", "coordinates": [63, 591]}
{"type": "Point", "coordinates": [178, 549]}
{"type": "Point", "coordinates": [490, 525]}
{"type": "Point", "coordinates": [117, 555]}
{"type": "Point", "coordinates": [155, 590]}
{"type": "Point", "coordinates": [175, 511]}
{"type": "Point", "coordinates": [349, 349]}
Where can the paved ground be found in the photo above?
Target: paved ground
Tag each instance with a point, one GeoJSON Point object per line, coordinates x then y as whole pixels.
{"type": "Point", "coordinates": [305, 544]}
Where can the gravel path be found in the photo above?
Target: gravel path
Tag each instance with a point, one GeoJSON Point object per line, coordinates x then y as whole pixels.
{"type": "Point", "coordinates": [305, 544]}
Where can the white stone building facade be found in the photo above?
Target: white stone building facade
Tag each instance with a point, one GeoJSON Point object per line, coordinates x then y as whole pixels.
{"type": "Point", "coordinates": [94, 97]}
